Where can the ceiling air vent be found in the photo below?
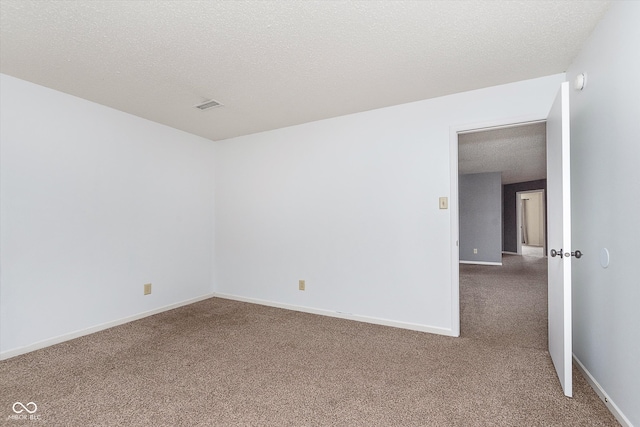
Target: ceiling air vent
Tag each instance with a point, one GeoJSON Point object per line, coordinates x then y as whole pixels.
{"type": "Point", "coordinates": [208, 104]}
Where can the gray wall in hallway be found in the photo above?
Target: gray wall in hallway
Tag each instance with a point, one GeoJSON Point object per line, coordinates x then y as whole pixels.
{"type": "Point", "coordinates": [480, 198]}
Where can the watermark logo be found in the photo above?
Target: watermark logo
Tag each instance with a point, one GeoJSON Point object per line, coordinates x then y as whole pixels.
{"type": "Point", "coordinates": [24, 412]}
{"type": "Point", "coordinates": [21, 407]}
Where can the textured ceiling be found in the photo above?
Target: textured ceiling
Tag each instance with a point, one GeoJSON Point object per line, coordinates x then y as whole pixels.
{"type": "Point", "coordinates": [279, 63]}
{"type": "Point", "coordinates": [519, 152]}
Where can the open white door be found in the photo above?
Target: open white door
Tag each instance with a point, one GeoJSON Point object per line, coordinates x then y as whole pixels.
{"type": "Point", "coordinates": [559, 244]}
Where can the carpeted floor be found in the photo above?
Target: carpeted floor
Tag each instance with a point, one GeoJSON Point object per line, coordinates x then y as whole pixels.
{"type": "Point", "coordinates": [226, 363]}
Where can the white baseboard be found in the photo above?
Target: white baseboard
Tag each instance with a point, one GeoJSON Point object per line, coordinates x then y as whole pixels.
{"type": "Point", "coordinates": [340, 315]}
{"type": "Point", "coordinates": [610, 404]}
{"type": "Point", "coordinates": [510, 253]}
{"type": "Point", "coordinates": [480, 263]}
{"type": "Point", "coordinates": [66, 337]}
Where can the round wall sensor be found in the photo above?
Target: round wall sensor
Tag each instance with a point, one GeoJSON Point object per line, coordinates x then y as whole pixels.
{"type": "Point", "coordinates": [580, 82]}
{"type": "Point", "coordinates": [604, 257]}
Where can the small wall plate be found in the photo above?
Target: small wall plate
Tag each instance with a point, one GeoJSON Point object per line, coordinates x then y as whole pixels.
{"type": "Point", "coordinates": [604, 257]}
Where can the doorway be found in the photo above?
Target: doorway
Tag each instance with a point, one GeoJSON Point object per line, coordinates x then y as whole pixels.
{"type": "Point", "coordinates": [531, 223]}
{"type": "Point", "coordinates": [558, 271]}
{"type": "Point", "coordinates": [504, 147]}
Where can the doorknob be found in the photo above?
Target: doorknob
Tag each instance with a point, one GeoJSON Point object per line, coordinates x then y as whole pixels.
{"type": "Point", "coordinates": [559, 253]}
{"type": "Point", "coordinates": [555, 253]}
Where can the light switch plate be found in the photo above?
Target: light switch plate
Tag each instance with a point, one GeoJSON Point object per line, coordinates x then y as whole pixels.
{"type": "Point", "coordinates": [444, 202]}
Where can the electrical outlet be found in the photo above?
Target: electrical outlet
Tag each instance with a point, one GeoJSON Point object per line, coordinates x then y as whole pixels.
{"type": "Point", "coordinates": [147, 288]}
{"type": "Point", "coordinates": [475, 251]}
{"type": "Point", "coordinates": [301, 285]}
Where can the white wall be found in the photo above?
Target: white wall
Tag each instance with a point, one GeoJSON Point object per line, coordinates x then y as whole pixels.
{"type": "Point", "coordinates": [95, 203]}
{"type": "Point", "coordinates": [350, 204]}
{"type": "Point", "coordinates": [605, 154]}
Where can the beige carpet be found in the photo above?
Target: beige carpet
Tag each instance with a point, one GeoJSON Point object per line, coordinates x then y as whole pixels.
{"type": "Point", "coordinates": [226, 363]}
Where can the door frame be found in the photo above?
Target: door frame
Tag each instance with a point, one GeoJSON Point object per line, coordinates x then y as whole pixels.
{"type": "Point", "coordinates": [454, 213]}
{"type": "Point", "coordinates": [519, 219]}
